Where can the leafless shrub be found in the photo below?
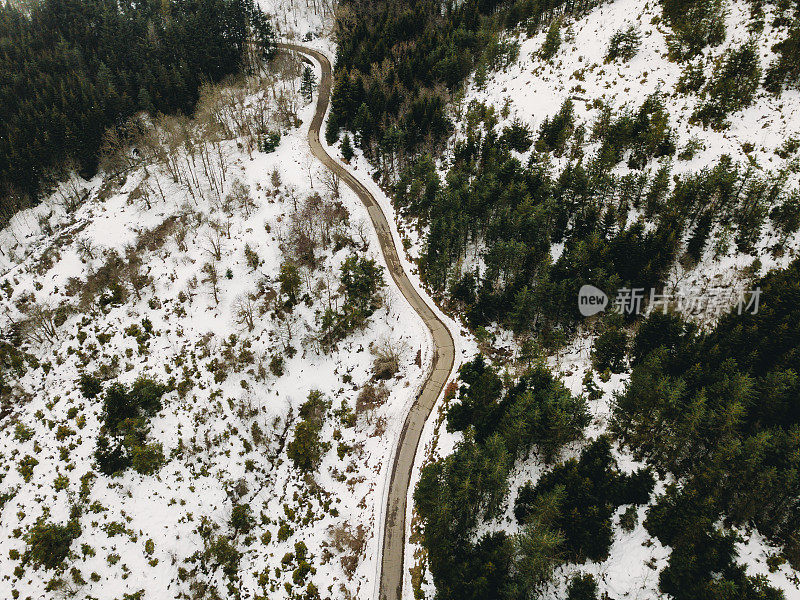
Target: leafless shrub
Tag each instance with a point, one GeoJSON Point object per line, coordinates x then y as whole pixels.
{"type": "Point", "coordinates": [132, 271]}
{"type": "Point", "coordinates": [154, 239]}
{"type": "Point", "coordinates": [214, 242]}
{"type": "Point", "coordinates": [105, 285]}
{"type": "Point", "coordinates": [371, 397]}
{"type": "Point", "coordinates": [240, 197]}
{"type": "Point", "coordinates": [350, 542]}
{"type": "Point", "coordinates": [387, 360]}
{"type": "Point", "coordinates": [331, 180]}
{"type": "Point", "coordinates": [287, 104]}
{"type": "Point", "coordinates": [41, 322]}
{"type": "Point", "coordinates": [86, 249]}
{"type": "Point", "coordinates": [275, 179]}
{"type": "Point", "coordinates": [72, 190]}
{"type": "Point", "coordinates": [245, 309]}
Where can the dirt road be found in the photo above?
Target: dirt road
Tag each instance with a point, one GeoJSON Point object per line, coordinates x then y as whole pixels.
{"type": "Point", "coordinates": [443, 359]}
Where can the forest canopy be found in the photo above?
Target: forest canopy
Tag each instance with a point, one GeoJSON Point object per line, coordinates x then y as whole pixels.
{"type": "Point", "coordinates": [71, 69]}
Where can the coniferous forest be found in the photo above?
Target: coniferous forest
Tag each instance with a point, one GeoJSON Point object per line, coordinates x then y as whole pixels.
{"type": "Point", "coordinates": [713, 409]}
{"type": "Point", "coordinates": [72, 69]}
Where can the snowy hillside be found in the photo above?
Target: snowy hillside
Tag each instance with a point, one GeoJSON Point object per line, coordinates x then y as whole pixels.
{"type": "Point", "coordinates": [761, 135]}
{"type": "Point", "coordinates": [179, 279]}
{"type": "Point", "coordinates": [530, 91]}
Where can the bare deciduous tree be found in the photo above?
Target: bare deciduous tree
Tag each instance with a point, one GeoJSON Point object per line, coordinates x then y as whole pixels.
{"type": "Point", "coordinates": [86, 249]}
{"type": "Point", "coordinates": [240, 197]}
{"type": "Point", "coordinates": [214, 241]}
{"type": "Point", "coordinates": [245, 309]}
{"type": "Point", "coordinates": [212, 279]}
{"type": "Point", "coordinates": [331, 181]}
{"type": "Point", "coordinates": [41, 323]}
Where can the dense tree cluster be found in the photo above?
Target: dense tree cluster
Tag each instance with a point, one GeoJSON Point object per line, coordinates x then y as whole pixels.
{"type": "Point", "coordinates": [695, 25]}
{"type": "Point", "coordinates": [398, 62]}
{"type": "Point", "coordinates": [517, 211]}
{"type": "Point", "coordinates": [590, 489]}
{"type": "Point", "coordinates": [126, 410]}
{"type": "Point", "coordinates": [71, 69]}
{"type": "Point", "coordinates": [734, 85]}
{"type": "Point", "coordinates": [502, 422]}
{"type": "Point", "coordinates": [718, 410]}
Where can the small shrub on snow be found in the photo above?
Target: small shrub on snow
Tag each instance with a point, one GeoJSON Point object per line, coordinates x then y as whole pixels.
{"type": "Point", "coordinates": [26, 466]}
{"type": "Point", "coordinates": [49, 543]}
{"type": "Point", "coordinates": [582, 587]}
{"type": "Point", "coordinates": [624, 44]}
{"type": "Point", "coordinates": [609, 350]}
{"type": "Point", "coordinates": [147, 458]}
{"type": "Point", "coordinates": [22, 432]}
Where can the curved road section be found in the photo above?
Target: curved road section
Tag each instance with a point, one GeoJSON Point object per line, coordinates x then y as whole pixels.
{"type": "Point", "coordinates": [391, 584]}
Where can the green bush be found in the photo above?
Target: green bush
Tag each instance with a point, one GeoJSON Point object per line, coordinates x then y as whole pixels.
{"type": "Point", "coordinates": [582, 587]}
{"type": "Point", "coordinates": [276, 365]}
{"type": "Point", "coordinates": [624, 44]}
{"type": "Point", "coordinates": [554, 132]}
{"type": "Point", "coordinates": [785, 71]}
{"type": "Point", "coordinates": [49, 543]}
{"type": "Point", "coordinates": [517, 136]}
{"type": "Point", "coordinates": [307, 448]}
{"type": "Point", "coordinates": [269, 141]}
{"type": "Point", "coordinates": [609, 350]}
{"type": "Point", "coordinates": [110, 455]}
{"type": "Point", "coordinates": [90, 385]}
{"type": "Point", "coordinates": [347, 148]}
{"type": "Point", "coordinates": [147, 459]}
{"type": "Point", "coordinates": [242, 518]}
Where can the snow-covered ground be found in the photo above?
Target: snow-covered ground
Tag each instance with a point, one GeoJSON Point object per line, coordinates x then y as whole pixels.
{"type": "Point", "coordinates": [212, 455]}
{"type": "Point", "coordinates": [207, 433]}
{"type": "Point", "coordinates": [534, 89]}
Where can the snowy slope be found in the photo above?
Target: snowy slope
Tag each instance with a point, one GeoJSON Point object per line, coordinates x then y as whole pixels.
{"type": "Point", "coordinates": [206, 433]}
{"type": "Point", "coordinates": [534, 89]}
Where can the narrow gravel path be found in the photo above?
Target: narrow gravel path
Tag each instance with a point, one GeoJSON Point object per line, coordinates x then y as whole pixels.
{"type": "Point", "coordinates": [391, 585]}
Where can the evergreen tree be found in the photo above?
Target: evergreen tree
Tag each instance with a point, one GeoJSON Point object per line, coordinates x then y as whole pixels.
{"type": "Point", "coordinates": [308, 83]}
{"type": "Point", "coordinates": [347, 148]}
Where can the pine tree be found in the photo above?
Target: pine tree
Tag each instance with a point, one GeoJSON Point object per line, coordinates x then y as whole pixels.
{"type": "Point", "coordinates": [308, 83]}
{"type": "Point", "coordinates": [347, 148]}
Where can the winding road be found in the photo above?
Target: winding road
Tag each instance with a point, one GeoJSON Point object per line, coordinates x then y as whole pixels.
{"type": "Point", "coordinates": [393, 550]}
